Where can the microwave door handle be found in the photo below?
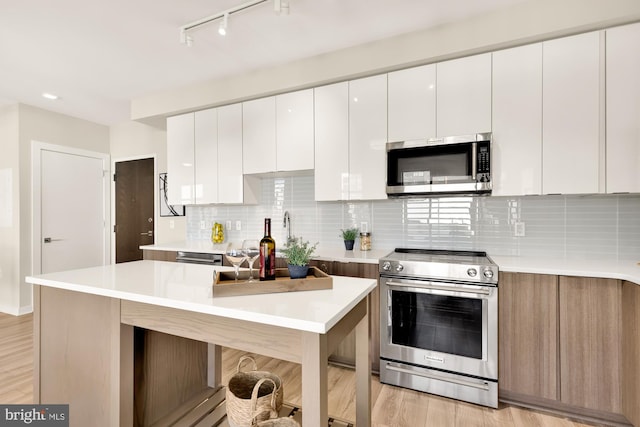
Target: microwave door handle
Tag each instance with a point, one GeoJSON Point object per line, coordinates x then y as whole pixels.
{"type": "Point", "coordinates": [474, 161]}
{"type": "Point", "coordinates": [434, 287]}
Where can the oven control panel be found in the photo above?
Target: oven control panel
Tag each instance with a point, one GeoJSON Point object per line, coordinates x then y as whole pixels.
{"type": "Point", "coordinates": [481, 274]}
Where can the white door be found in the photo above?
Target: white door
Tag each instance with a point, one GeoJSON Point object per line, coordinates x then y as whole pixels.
{"type": "Point", "coordinates": [72, 211]}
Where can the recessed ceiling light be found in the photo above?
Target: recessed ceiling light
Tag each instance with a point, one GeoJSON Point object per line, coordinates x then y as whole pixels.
{"type": "Point", "coordinates": [49, 96]}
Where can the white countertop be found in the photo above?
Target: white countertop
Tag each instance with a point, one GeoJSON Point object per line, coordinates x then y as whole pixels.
{"type": "Point", "coordinates": [325, 253]}
{"type": "Point", "coordinates": [583, 267]}
{"type": "Point", "coordinates": [188, 287]}
{"type": "Point", "coordinates": [603, 268]}
{"type": "Point", "coordinates": [199, 246]}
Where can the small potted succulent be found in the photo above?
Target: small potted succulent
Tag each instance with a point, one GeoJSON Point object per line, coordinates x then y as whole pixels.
{"type": "Point", "coordinates": [298, 253]}
{"type": "Point", "coordinates": [349, 237]}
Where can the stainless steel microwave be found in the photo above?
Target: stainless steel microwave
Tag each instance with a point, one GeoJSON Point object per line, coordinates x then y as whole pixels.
{"type": "Point", "coordinates": [440, 166]}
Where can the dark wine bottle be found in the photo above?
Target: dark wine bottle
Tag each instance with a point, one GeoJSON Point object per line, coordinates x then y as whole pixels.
{"type": "Point", "coordinates": [267, 253]}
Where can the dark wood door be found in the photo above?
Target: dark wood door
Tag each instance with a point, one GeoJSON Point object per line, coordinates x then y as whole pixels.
{"type": "Point", "coordinates": [134, 208]}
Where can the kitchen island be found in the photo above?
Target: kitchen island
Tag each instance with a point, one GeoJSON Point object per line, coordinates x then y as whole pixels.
{"type": "Point", "coordinates": [87, 352]}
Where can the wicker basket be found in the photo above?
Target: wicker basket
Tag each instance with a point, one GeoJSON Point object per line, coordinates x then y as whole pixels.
{"type": "Point", "coordinates": [263, 386]}
{"type": "Point", "coordinates": [272, 421]}
{"type": "Point", "coordinates": [279, 422]}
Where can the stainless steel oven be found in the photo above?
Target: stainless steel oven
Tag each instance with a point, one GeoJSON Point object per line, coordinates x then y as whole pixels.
{"type": "Point", "coordinates": [439, 323]}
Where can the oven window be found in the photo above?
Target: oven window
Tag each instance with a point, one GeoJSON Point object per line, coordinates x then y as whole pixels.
{"type": "Point", "coordinates": [439, 323]}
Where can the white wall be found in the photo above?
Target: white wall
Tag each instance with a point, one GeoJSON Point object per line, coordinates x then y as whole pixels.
{"type": "Point", "coordinates": [9, 211]}
{"type": "Point", "coordinates": [520, 24]}
{"type": "Point", "coordinates": [136, 140]}
{"type": "Point", "coordinates": [20, 125]}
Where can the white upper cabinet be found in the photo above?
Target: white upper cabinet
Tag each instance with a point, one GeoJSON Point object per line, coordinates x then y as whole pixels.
{"type": "Point", "coordinates": [206, 156]}
{"type": "Point", "coordinates": [571, 115]}
{"type": "Point", "coordinates": [623, 109]}
{"type": "Point", "coordinates": [412, 103]}
{"type": "Point", "coordinates": [464, 96]}
{"type": "Point", "coordinates": [294, 131]}
{"type": "Point", "coordinates": [278, 133]}
{"type": "Point", "coordinates": [229, 167]}
{"type": "Point", "coordinates": [367, 138]}
{"type": "Point", "coordinates": [259, 135]}
{"type": "Point", "coordinates": [332, 142]}
{"type": "Point", "coordinates": [516, 152]}
{"type": "Point", "coordinates": [180, 159]}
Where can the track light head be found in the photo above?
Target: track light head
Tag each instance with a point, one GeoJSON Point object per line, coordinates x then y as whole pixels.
{"type": "Point", "coordinates": [281, 7]}
{"type": "Point", "coordinates": [222, 29]}
{"type": "Point", "coordinates": [185, 38]}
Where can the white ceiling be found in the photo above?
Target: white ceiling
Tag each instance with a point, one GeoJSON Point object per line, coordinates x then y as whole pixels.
{"type": "Point", "coordinates": [97, 55]}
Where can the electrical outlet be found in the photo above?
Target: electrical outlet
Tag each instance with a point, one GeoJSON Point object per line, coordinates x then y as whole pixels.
{"type": "Point", "coordinates": [172, 224]}
{"type": "Point", "coordinates": [228, 225]}
{"type": "Point", "coordinates": [238, 225]}
{"type": "Point", "coordinates": [519, 229]}
{"type": "Point", "coordinates": [364, 227]}
{"type": "Point", "coordinates": [202, 225]}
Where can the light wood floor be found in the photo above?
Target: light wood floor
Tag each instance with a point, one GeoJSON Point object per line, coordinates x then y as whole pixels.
{"type": "Point", "coordinates": [392, 406]}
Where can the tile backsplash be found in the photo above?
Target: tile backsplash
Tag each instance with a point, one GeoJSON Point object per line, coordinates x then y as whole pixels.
{"type": "Point", "coordinates": [580, 226]}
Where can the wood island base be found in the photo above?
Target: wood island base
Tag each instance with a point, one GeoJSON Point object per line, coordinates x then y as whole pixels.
{"type": "Point", "coordinates": [125, 363]}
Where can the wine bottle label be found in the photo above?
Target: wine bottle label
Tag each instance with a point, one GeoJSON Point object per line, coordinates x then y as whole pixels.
{"type": "Point", "coordinates": [267, 253]}
{"type": "Point", "coordinates": [267, 263]}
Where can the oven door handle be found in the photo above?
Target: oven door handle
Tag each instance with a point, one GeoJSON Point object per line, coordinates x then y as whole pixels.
{"type": "Point", "coordinates": [433, 287]}
{"type": "Point", "coordinates": [479, 385]}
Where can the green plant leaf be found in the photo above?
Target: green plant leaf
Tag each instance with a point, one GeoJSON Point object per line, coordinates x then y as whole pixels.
{"type": "Point", "coordinates": [299, 251]}
{"type": "Point", "coordinates": [349, 233]}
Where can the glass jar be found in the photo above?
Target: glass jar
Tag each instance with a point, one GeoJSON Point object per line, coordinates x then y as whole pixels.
{"type": "Point", "coordinates": [217, 233]}
{"type": "Point", "coordinates": [365, 241]}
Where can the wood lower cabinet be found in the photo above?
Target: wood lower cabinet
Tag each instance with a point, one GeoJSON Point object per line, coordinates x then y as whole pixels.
{"type": "Point", "coordinates": [631, 352]}
{"type": "Point", "coordinates": [571, 345]}
{"type": "Point", "coordinates": [346, 352]}
{"type": "Point", "coordinates": [159, 255]}
{"type": "Point", "coordinates": [590, 341]}
{"type": "Point", "coordinates": [528, 335]}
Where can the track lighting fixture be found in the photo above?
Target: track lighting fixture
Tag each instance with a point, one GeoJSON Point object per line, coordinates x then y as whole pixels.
{"type": "Point", "coordinates": [280, 7]}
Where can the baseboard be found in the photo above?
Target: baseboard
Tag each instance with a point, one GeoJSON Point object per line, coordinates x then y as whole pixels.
{"type": "Point", "coordinates": [25, 309]}
{"type": "Point", "coordinates": [16, 312]}
{"type": "Point", "coordinates": [561, 409]}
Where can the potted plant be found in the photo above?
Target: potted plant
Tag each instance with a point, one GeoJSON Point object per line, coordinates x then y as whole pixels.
{"type": "Point", "coordinates": [298, 252]}
{"type": "Point", "coordinates": [349, 237]}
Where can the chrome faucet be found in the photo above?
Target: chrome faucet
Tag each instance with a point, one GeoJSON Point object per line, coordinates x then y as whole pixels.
{"type": "Point", "coordinates": [286, 223]}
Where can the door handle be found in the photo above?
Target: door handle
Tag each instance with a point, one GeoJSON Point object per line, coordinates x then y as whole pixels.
{"type": "Point", "coordinates": [49, 240]}
{"type": "Point", "coordinates": [147, 233]}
